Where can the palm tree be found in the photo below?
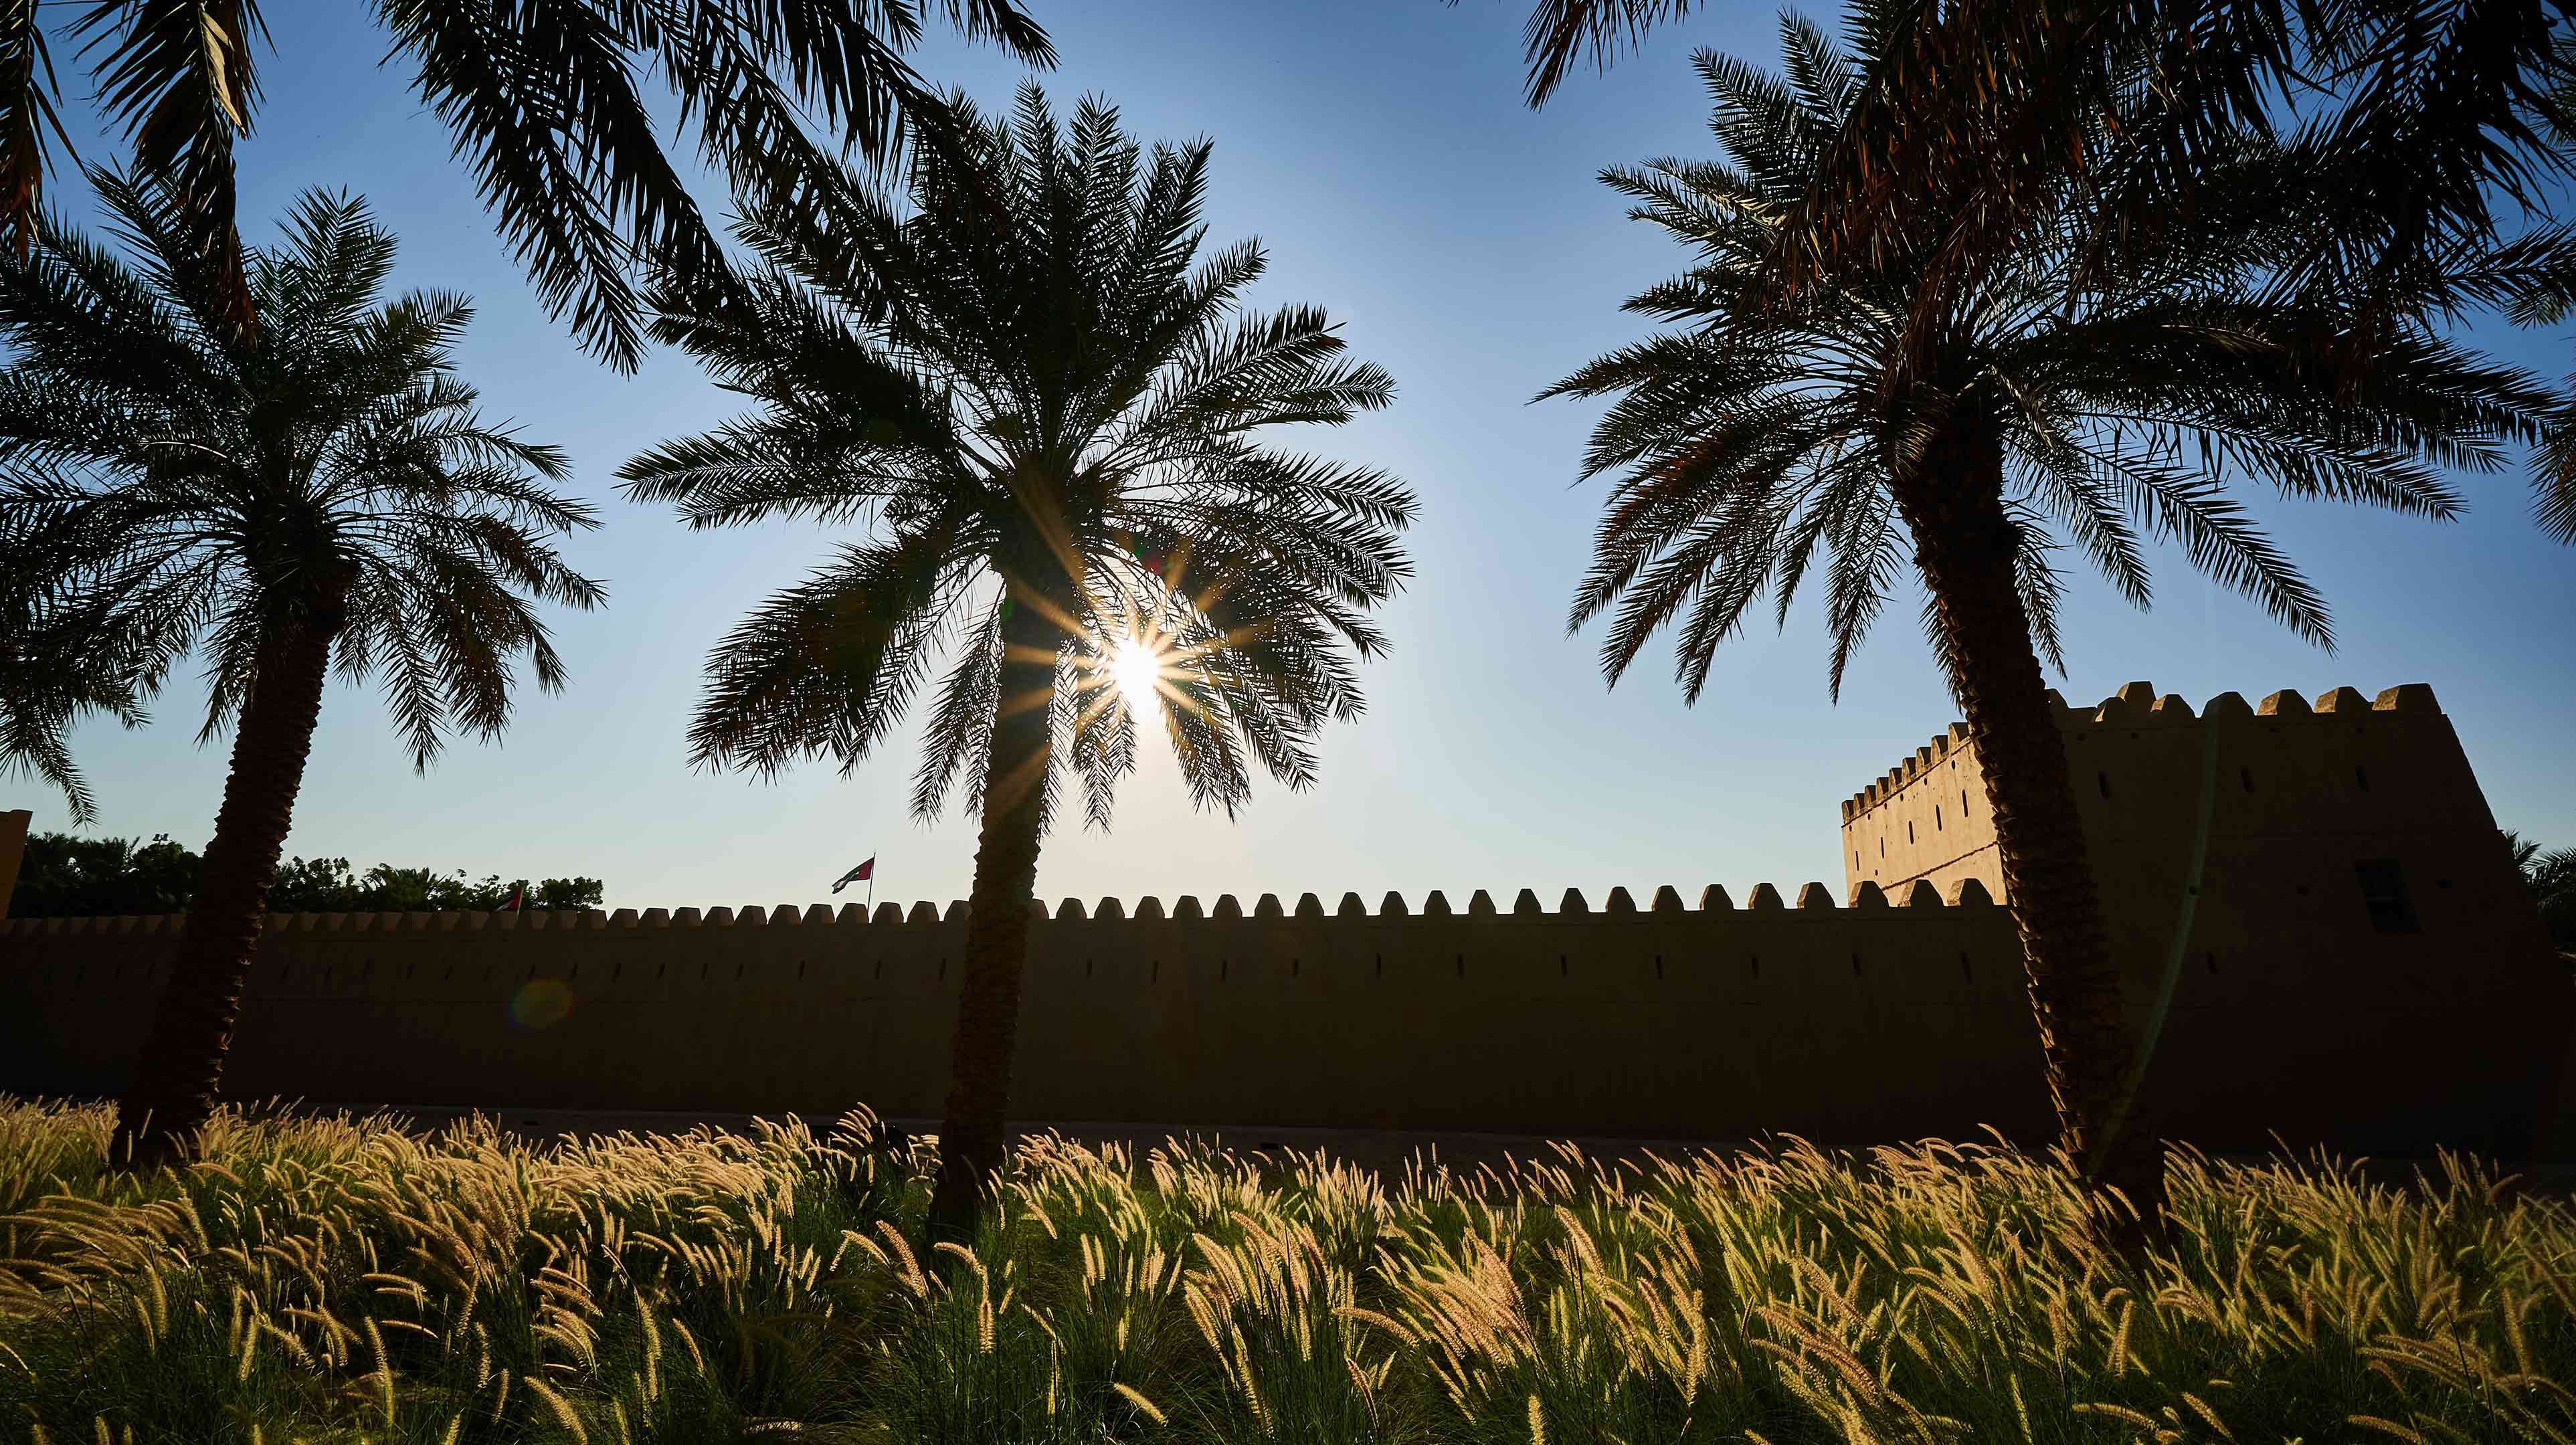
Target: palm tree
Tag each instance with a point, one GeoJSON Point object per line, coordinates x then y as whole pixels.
{"type": "Point", "coordinates": [546, 101]}
{"type": "Point", "coordinates": [1767, 438]}
{"type": "Point", "coordinates": [317, 491]}
{"type": "Point", "coordinates": [1042, 407]}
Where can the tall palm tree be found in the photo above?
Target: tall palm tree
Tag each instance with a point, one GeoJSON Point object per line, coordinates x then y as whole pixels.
{"type": "Point", "coordinates": [1042, 407]}
{"type": "Point", "coordinates": [545, 96]}
{"type": "Point", "coordinates": [1767, 438]}
{"type": "Point", "coordinates": [318, 491]}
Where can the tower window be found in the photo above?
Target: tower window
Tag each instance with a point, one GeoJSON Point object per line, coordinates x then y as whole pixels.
{"type": "Point", "coordinates": [2383, 893]}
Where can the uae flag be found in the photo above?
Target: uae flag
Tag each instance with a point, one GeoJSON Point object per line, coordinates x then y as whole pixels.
{"type": "Point", "coordinates": [860, 874]}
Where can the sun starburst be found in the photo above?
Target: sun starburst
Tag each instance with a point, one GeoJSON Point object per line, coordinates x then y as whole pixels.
{"type": "Point", "coordinates": [1137, 665]}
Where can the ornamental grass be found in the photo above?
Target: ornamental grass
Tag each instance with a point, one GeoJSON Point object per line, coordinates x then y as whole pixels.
{"type": "Point", "coordinates": [352, 1279]}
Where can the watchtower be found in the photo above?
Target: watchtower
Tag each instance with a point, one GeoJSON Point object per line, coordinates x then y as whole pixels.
{"type": "Point", "coordinates": [2332, 861]}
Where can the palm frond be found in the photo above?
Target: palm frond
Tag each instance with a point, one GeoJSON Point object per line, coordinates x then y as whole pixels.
{"type": "Point", "coordinates": [28, 92]}
{"type": "Point", "coordinates": [2126, 383]}
{"type": "Point", "coordinates": [1017, 369]}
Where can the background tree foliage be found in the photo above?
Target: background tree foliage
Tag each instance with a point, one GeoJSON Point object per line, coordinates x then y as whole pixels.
{"type": "Point", "coordinates": [68, 876]}
{"type": "Point", "coordinates": [2551, 877]}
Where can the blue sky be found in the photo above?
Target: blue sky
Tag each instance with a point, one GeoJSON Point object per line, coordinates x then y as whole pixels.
{"type": "Point", "coordinates": [1379, 150]}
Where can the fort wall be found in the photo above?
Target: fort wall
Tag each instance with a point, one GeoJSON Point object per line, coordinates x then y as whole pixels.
{"type": "Point", "coordinates": [1664, 1021]}
{"type": "Point", "coordinates": [1901, 1012]}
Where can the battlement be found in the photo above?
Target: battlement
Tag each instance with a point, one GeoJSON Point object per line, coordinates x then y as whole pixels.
{"type": "Point", "coordinates": [1185, 909]}
{"type": "Point", "coordinates": [2150, 774]}
{"type": "Point", "coordinates": [2137, 705]}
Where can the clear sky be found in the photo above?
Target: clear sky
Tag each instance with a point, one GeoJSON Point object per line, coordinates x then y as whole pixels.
{"type": "Point", "coordinates": [1379, 149]}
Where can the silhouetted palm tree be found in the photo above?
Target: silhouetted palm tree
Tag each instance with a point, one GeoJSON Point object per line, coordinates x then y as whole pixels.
{"type": "Point", "coordinates": [548, 101]}
{"type": "Point", "coordinates": [1770, 438]}
{"type": "Point", "coordinates": [1044, 415]}
{"type": "Point", "coordinates": [319, 489]}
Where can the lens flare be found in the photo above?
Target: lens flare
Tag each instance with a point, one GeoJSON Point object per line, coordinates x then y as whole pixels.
{"type": "Point", "coordinates": [541, 1003]}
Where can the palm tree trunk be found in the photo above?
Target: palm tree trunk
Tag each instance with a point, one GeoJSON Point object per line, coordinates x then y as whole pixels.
{"type": "Point", "coordinates": [172, 1090]}
{"type": "Point", "coordinates": [973, 1136]}
{"type": "Point", "coordinates": [1965, 544]}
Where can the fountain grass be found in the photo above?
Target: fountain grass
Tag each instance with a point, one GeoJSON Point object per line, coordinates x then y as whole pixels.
{"type": "Point", "coordinates": [350, 1279]}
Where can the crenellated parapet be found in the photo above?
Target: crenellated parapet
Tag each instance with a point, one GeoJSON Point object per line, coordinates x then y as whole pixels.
{"type": "Point", "coordinates": [2150, 771]}
{"type": "Point", "coordinates": [2138, 705]}
{"type": "Point", "coordinates": [1619, 903]}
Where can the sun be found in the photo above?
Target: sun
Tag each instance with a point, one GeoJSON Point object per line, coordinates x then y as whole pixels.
{"type": "Point", "coordinates": [1138, 666]}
